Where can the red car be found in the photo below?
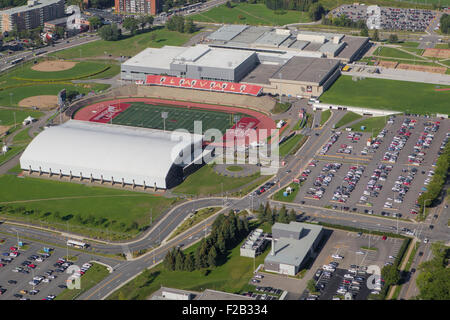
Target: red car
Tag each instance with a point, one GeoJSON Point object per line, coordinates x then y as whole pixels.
{"type": "Point", "coordinates": [31, 265]}
{"type": "Point", "coordinates": [13, 249]}
{"type": "Point", "coordinates": [384, 238]}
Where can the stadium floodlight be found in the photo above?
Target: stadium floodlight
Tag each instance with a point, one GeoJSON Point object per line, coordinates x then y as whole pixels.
{"type": "Point", "coordinates": [164, 115]}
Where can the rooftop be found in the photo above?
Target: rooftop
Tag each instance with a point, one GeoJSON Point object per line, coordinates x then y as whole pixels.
{"type": "Point", "coordinates": [155, 57]}
{"type": "Point", "coordinates": [306, 69]}
{"type": "Point", "coordinates": [40, 4]}
{"type": "Point", "coordinates": [271, 39]}
{"type": "Point", "coordinates": [227, 32]}
{"type": "Point", "coordinates": [292, 251]}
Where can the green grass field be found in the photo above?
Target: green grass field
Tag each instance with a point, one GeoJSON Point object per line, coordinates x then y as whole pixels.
{"type": "Point", "coordinates": [330, 4]}
{"type": "Point", "coordinates": [324, 116]}
{"type": "Point", "coordinates": [235, 168]}
{"type": "Point", "coordinates": [206, 181]}
{"type": "Point", "coordinates": [409, 44]}
{"type": "Point", "coordinates": [395, 95]}
{"type": "Point", "coordinates": [376, 124]}
{"type": "Point", "coordinates": [288, 145]}
{"type": "Point", "coordinates": [199, 216]}
{"type": "Point", "coordinates": [128, 46]}
{"type": "Point", "coordinates": [83, 207]}
{"type": "Point", "coordinates": [291, 197]}
{"type": "Point", "coordinates": [94, 275]}
{"type": "Point", "coordinates": [36, 89]}
{"type": "Point", "coordinates": [7, 115]}
{"type": "Point", "coordinates": [140, 114]}
{"type": "Point", "coordinates": [394, 53]}
{"type": "Point", "coordinates": [253, 14]}
{"type": "Point", "coordinates": [83, 68]}
{"type": "Point", "coordinates": [347, 118]}
{"type": "Point", "coordinates": [232, 276]}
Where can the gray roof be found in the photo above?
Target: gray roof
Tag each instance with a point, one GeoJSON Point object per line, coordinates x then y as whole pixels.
{"type": "Point", "coordinates": [227, 32]}
{"type": "Point", "coordinates": [353, 44]}
{"type": "Point", "coordinates": [40, 4]}
{"type": "Point", "coordinates": [331, 48]}
{"type": "Point", "coordinates": [261, 74]}
{"type": "Point", "coordinates": [292, 251]}
{"type": "Point", "coordinates": [306, 69]}
{"type": "Point", "coordinates": [299, 44]}
{"type": "Point", "coordinates": [271, 39]}
{"type": "Point", "coordinates": [251, 34]}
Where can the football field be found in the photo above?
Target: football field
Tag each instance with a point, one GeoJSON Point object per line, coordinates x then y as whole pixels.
{"type": "Point", "coordinates": [140, 114]}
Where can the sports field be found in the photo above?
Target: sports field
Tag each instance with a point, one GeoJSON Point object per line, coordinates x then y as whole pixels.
{"type": "Point", "coordinates": [7, 116]}
{"type": "Point", "coordinates": [140, 114]}
{"type": "Point", "coordinates": [404, 96]}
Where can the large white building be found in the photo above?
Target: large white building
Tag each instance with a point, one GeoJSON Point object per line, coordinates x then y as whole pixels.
{"type": "Point", "coordinates": [105, 152]}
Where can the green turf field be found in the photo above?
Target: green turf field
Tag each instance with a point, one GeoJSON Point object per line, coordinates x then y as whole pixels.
{"type": "Point", "coordinates": [93, 211]}
{"type": "Point", "coordinates": [404, 96]}
{"type": "Point", "coordinates": [324, 116]}
{"type": "Point", "coordinates": [253, 14]}
{"type": "Point", "coordinates": [140, 114]}
{"type": "Point", "coordinates": [395, 53]}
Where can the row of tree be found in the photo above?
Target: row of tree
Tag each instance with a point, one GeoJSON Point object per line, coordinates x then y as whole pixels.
{"type": "Point", "coordinates": [299, 5]}
{"type": "Point", "coordinates": [269, 215]}
{"type": "Point", "coordinates": [445, 23]}
{"type": "Point", "coordinates": [133, 24]}
{"type": "Point", "coordinates": [343, 21]}
{"type": "Point", "coordinates": [180, 24]}
{"type": "Point", "coordinates": [226, 232]}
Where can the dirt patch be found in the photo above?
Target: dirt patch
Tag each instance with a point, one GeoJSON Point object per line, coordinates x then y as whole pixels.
{"type": "Point", "coordinates": [42, 102]}
{"type": "Point", "coordinates": [388, 64]}
{"type": "Point", "coordinates": [4, 129]}
{"type": "Point", "coordinates": [422, 68]}
{"type": "Point", "coordinates": [56, 65]}
{"type": "Point", "coordinates": [437, 53]}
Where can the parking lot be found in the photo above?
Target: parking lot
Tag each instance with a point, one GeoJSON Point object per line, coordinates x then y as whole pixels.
{"type": "Point", "coordinates": [16, 276]}
{"type": "Point", "coordinates": [388, 180]}
{"type": "Point", "coordinates": [352, 262]}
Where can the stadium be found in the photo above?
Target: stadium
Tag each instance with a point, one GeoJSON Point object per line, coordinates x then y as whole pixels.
{"type": "Point", "coordinates": [126, 141]}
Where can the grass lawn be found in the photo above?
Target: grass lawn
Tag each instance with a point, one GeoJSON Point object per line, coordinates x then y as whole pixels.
{"type": "Point", "coordinates": [232, 276]}
{"type": "Point", "coordinates": [206, 181]}
{"type": "Point", "coordinates": [83, 68]}
{"type": "Point", "coordinates": [291, 197]}
{"type": "Point", "coordinates": [93, 211]}
{"type": "Point", "coordinates": [409, 44]}
{"type": "Point", "coordinates": [234, 168]}
{"type": "Point", "coordinates": [289, 145]}
{"type": "Point", "coordinates": [388, 94]}
{"type": "Point", "coordinates": [324, 116]}
{"type": "Point", "coordinates": [7, 115]}
{"type": "Point", "coordinates": [280, 107]}
{"type": "Point", "coordinates": [347, 118]}
{"type": "Point", "coordinates": [393, 53]}
{"type": "Point", "coordinates": [45, 89]}
{"type": "Point", "coordinates": [94, 275]}
{"type": "Point", "coordinates": [22, 137]}
{"type": "Point", "coordinates": [253, 14]}
{"type": "Point", "coordinates": [13, 151]}
{"type": "Point", "coordinates": [198, 217]}
{"type": "Point", "coordinates": [442, 46]}
{"type": "Point", "coordinates": [375, 123]}
{"type": "Point", "coordinates": [128, 46]}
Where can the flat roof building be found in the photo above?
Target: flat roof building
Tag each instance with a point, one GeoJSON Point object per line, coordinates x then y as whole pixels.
{"type": "Point", "coordinates": [32, 15]}
{"type": "Point", "coordinates": [198, 62]}
{"type": "Point", "coordinates": [292, 245]}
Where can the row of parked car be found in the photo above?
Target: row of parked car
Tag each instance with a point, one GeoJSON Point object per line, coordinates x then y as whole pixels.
{"type": "Point", "coordinates": [342, 192]}
{"type": "Point", "coordinates": [330, 142]}
{"type": "Point", "coordinates": [399, 141]}
{"type": "Point", "coordinates": [423, 142]}
{"type": "Point", "coordinates": [323, 179]}
{"type": "Point", "coordinates": [375, 143]}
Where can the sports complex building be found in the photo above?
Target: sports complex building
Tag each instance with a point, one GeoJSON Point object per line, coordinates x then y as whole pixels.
{"type": "Point", "coordinates": [279, 61]}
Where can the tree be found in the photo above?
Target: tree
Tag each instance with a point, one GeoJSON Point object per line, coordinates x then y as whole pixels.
{"type": "Point", "coordinates": [364, 32]}
{"type": "Point", "coordinates": [221, 246]}
{"type": "Point", "coordinates": [228, 4]}
{"type": "Point", "coordinates": [149, 20]}
{"type": "Point", "coordinates": [212, 257]}
{"type": "Point", "coordinates": [130, 24]}
{"type": "Point", "coordinates": [142, 22]}
{"type": "Point", "coordinates": [60, 31]}
{"type": "Point", "coordinates": [282, 215]}
{"type": "Point", "coordinates": [95, 23]}
{"type": "Point", "coordinates": [109, 32]}
{"type": "Point", "coordinates": [189, 26]}
{"type": "Point", "coordinates": [445, 23]}
{"type": "Point", "coordinates": [376, 37]}
{"type": "Point", "coordinates": [179, 260]}
{"type": "Point", "coordinates": [189, 263]}
{"type": "Point", "coordinates": [316, 11]}
{"type": "Point", "coordinates": [311, 285]}
{"type": "Point", "coordinates": [292, 215]}
{"type": "Point", "coordinates": [169, 260]}
{"type": "Point", "coordinates": [393, 38]}
{"type": "Point", "coordinates": [390, 274]}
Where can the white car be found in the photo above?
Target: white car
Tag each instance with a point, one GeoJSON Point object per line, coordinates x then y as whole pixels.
{"type": "Point", "coordinates": [46, 280]}
{"type": "Point", "coordinates": [336, 256]}
{"type": "Point", "coordinates": [360, 252]}
{"type": "Point", "coordinates": [425, 240]}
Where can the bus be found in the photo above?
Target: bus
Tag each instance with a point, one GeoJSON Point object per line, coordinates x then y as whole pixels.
{"type": "Point", "coordinates": [77, 244]}
{"type": "Point", "coordinates": [16, 61]}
